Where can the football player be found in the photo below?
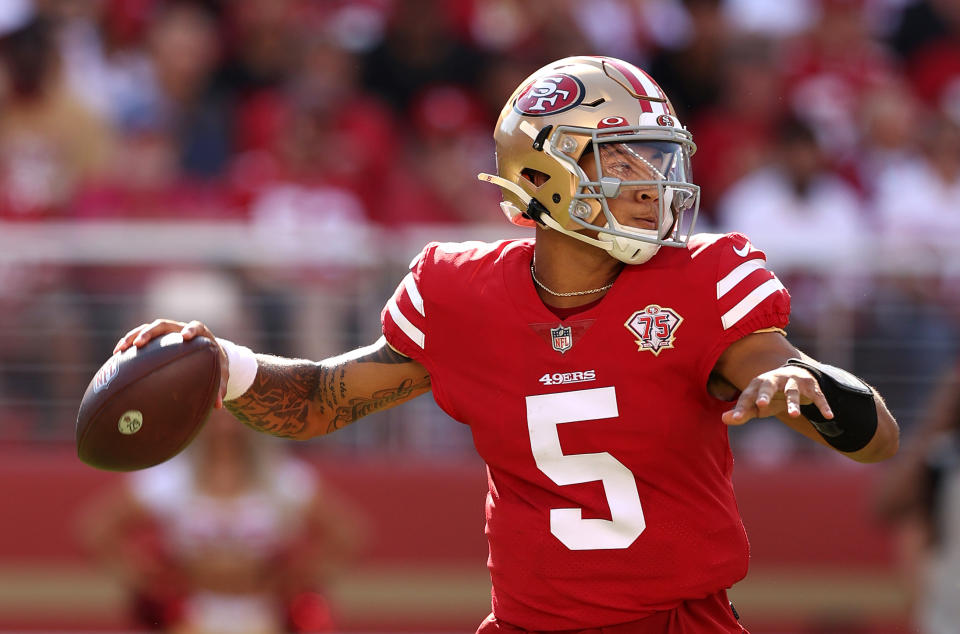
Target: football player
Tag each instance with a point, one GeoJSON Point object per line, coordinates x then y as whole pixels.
{"type": "Point", "coordinates": [598, 365]}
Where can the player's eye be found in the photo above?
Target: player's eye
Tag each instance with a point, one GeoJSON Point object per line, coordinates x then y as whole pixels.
{"type": "Point", "coordinates": [620, 169]}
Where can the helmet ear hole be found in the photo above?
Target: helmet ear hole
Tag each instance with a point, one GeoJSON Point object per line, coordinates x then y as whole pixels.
{"type": "Point", "coordinates": [535, 177]}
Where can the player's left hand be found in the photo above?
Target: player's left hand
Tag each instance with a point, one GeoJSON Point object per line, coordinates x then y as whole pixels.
{"type": "Point", "coordinates": [780, 391]}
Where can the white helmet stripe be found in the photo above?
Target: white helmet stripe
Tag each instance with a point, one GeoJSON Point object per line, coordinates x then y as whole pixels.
{"type": "Point", "coordinates": [642, 84]}
{"type": "Point", "coordinates": [651, 89]}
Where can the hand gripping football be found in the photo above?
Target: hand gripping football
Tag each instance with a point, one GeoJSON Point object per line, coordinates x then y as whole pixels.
{"type": "Point", "coordinates": [145, 405]}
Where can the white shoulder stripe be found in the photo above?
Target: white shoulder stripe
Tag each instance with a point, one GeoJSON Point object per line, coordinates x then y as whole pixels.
{"type": "Point", "coordinates": [415, 334]}
{"type": "Point", "coordinates": [735, 276]}
{"type": "Point", "coordinates": [414, 293]}
{"type": "Point", "coordinates": [751, 301]}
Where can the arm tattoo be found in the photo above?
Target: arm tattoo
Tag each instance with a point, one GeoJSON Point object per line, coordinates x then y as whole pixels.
{"type": "Point", "coordinates": [279, 400]}
{"type": "Point", "coordinates": [288, 394]}
{"type": "Point", "coordinates": [359, 407]}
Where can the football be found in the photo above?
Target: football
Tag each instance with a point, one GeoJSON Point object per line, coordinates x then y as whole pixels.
{"type": "Point", "coordinates": [145, 405]}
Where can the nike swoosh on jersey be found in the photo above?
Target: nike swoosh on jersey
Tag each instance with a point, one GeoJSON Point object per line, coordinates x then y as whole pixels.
{"type": "Point", "coordinates": [742, 252]}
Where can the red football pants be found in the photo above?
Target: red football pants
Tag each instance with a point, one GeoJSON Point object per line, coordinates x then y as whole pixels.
{"type": "Point", "coordinates": [712, 615]}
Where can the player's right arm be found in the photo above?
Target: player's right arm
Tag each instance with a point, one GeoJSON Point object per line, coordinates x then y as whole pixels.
{"type": "Point", "coordinates": [297, 398]}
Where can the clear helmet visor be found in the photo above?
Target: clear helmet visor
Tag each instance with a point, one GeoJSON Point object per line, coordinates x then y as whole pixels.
{"type": "Point", "coordinates": [642, 160]}
{"type": "Point", "coordinates": [646, 183]}
{"type": "Point", "coordinates": [658, 169]}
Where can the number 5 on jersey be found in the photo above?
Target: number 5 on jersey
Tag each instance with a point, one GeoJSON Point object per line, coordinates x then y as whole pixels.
{"type": "Point", "coordinates": [544, 413]}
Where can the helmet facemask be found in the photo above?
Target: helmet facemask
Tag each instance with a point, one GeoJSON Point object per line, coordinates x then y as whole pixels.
{"type": "Point", "coordinates": [630, 161]}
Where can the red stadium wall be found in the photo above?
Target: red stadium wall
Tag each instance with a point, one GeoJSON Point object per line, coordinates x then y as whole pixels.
{"type": "Point", "coordinates": [820, 563]}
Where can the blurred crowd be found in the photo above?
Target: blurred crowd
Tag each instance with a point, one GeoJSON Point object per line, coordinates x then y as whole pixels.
{"type": "Point", "coordinates": [382, 110]}
{"type": "Point", "coordinates": [826, 130]}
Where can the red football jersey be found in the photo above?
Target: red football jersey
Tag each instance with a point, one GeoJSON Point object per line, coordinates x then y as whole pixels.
{"type": "Point", "coordinates": [610, 492]}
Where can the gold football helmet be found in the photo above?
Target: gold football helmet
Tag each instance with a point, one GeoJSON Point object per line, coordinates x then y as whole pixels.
{"type": "Point", "coordinates": [616, 111]}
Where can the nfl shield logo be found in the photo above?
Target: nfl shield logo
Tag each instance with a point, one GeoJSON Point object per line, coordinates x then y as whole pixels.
{"type": "Point", "coordinates": [562, 338]}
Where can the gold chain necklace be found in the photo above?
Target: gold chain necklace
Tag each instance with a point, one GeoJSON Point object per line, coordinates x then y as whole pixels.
{"type": "Point", "coordinates": [571, 293]}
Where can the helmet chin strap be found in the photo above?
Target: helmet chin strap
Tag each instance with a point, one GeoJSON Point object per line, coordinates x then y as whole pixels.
{"type": "Point", "coordinates": [629, 250]}
{"type": "Point", "coordinates": [511, 211]}
{"type": "Point", "coordinates": [513, 188]}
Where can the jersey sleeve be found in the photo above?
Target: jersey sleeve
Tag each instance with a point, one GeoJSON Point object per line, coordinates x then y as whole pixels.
{"type": "Point", "coordinates": [428, 303]}
{"type": "Point", "coordinates": [749, 297]}
{"type": "Point", "coordinates": [431, 294]}
{"type": "Point", "coordinates": [404, 318]}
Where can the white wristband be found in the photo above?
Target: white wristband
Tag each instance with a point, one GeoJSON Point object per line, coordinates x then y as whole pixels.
{"type": "Point", "coordinates": [241, 366]}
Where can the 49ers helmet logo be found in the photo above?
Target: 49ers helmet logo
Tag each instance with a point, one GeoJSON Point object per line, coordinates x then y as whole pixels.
{"type": "Point", "coordinates": [550, 95]}
{"type": "Point", "coordinates": [666, 120]}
